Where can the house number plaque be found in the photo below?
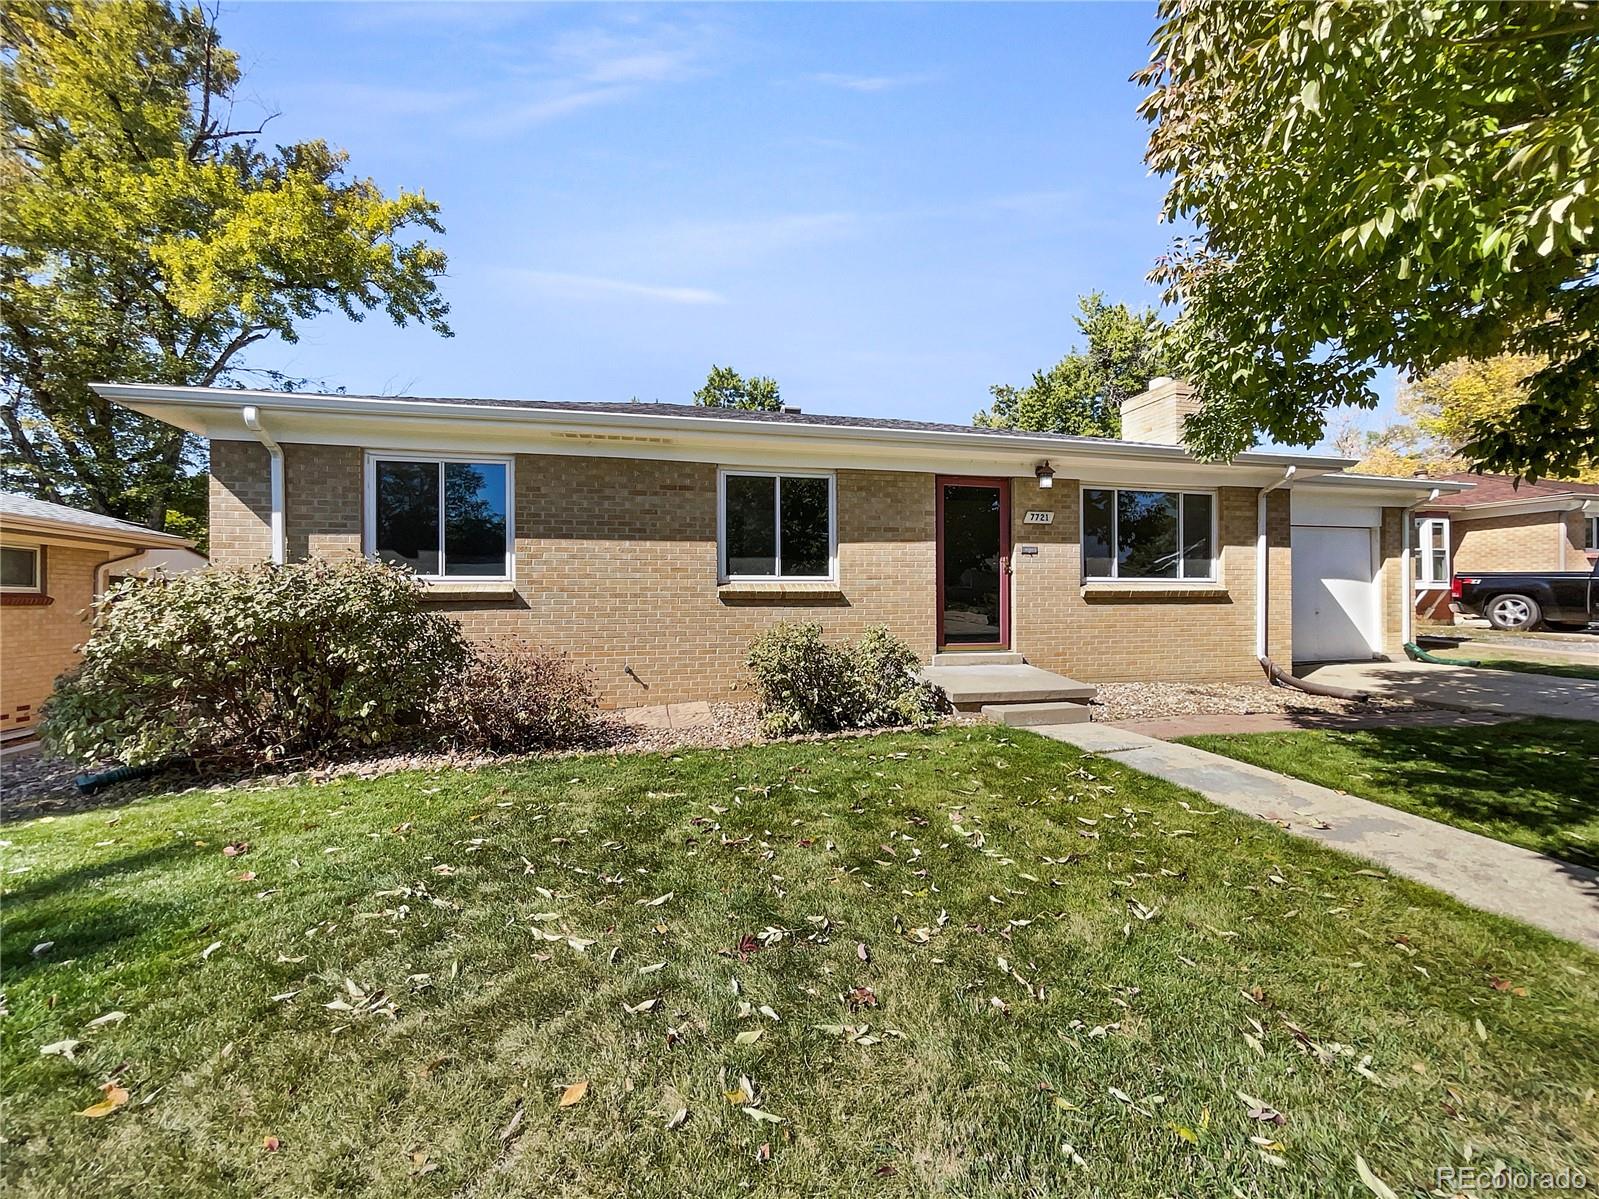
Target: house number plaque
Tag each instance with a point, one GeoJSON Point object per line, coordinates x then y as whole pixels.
{"type": "Point", "coordinates": [1039, 518]}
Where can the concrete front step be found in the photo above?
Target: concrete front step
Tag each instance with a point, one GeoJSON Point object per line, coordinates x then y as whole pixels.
{"type": "Point", "coordinates": [978, 657]}
{"type": "Point", "coordinates": [1028, 715]}
{"type": "Point", "coordinates": [970, 687]}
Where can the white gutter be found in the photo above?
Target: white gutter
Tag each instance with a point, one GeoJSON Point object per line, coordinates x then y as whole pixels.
{"type": "Point", "coordinates": [1261, 571]}
{"type": "Point", "coordinates": [252, 422]}
{"type": "Point", "coordinates": [1407, 614]}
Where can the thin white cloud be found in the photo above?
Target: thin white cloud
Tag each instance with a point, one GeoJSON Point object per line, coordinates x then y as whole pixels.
{"type": "Point", "coordinates": [592, 287]}
{"type": "Point", "coordinates": [871, 83]}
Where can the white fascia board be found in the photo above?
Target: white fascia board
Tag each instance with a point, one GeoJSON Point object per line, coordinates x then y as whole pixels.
{"type": "Point", "coordinates": [1527, 507]}
{"type": "Point", "coordinates": [54, 532]}
{"type": "Point", "coordinates": [1340, 487]}
{"type": "Point", "coordinates": [405, 424]}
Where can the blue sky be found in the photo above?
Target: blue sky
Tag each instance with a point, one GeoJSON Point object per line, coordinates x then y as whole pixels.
{"type": "Point", "coordinates": [886, 207]}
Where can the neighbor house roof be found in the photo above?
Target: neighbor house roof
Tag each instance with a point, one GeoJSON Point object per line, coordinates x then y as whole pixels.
{"type": "Point", "coordinates": [25, 514]}
{"type": "Point", "coordinates": [1493, 490]}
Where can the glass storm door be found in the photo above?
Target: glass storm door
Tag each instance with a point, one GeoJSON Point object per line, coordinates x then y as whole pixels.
{"type": "Point", "coordinates": [973, 563]}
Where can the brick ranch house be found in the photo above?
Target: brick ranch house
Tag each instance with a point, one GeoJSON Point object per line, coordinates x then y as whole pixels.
{"type": "Point", "coordinates": [54, 561]}
{"type": "Point", "coordinates": [1501, 525]}
{"type": "Point", "coordinates": [655, 541]}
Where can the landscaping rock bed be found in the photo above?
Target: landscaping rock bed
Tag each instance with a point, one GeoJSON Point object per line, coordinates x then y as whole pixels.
{"type": "Point", "coordinates": [1121, 702]}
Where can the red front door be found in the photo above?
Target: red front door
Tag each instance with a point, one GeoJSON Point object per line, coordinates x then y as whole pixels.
{"type": "Point", "coordinates": [973, 551]}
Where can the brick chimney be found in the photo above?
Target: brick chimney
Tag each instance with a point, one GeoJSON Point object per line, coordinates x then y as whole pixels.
{"type": "Point", "coordinates": [1156, 415]}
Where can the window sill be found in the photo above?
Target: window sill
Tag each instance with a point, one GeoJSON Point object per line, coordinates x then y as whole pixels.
{"type": "Point", "coordinates": [824, 590]}
{"type": "Point", "coordinates": [446, 590]}
{"type": "Point", "coordinates": [1151, 589]}
{"type": "Point", "coordinates": [25, 599]}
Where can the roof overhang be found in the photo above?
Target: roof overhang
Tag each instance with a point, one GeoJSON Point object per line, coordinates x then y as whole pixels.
{"type": "Point", "coordinates": [400, 424]}
{"type": "Point", "coordinates": [1379, 489]}
{"type": "Point", "coordinates": [1569, 502]}
{"type": "Point", "coordinates": [66, 533]}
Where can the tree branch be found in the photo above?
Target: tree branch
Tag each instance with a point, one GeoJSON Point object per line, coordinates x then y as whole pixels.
{"type": "Point", "coordinates": [27, 451]}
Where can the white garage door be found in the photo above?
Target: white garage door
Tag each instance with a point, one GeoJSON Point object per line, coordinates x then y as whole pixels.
{"type": "Point", "coordinates": [1335, 594]}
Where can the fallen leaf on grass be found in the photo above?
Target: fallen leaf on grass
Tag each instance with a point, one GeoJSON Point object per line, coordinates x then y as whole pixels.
{"type": "Point", "coordinates": [760, 1117]}
{"type": "Point", "coordinates": [748, 1037]}
{"type": "Point", "coordinates": [60, 1049]}
{"type": "Point", "coordinates": [652, 969]}
{"type": "Point", "coordinates": [108, 1018]}
{"type": "Point", "coordinates": [210, 949]}
{"type": "Point", "coordinates": [234, 848]}
{"type": "Point", "coordinates": [654, 903]}
{"type": "Point", "coordinates": [1482, 1031]}
{"type": "Point", "coordinates": [271, 1144]}
{"type": "Point", "coordinates": [677, 1120]}
{"type": "Point", "coordinates": [1373, 1184]}
{"type": "Point", "coordinates": [574, 1093]}
{"type": "Point", "coordinates": [115, 1097]}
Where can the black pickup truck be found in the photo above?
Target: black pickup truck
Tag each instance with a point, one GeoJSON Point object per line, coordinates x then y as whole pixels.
{"type": "Point", "coordinates": [1526, 599]}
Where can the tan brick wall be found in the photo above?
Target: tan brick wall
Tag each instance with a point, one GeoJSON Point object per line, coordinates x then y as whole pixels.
{"type": "Point", "coordinates": [1127, 635]}
{"type": "Point", "coordinates": [38, 643]}
{"type": "Point", "coordinates": [1391, 578]}
{"type": "Point", "coordinates": [1530, 541]}
{"type": "Point", "coordinates": [616, 563]}
{"type": "Point", "coordinates": [241, 504]}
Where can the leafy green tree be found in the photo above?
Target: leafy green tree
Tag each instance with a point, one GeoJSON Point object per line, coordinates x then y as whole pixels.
{"type": "Point", "coordinates": [726, 388]}
{"type": "Point", "coordinates": [1082, 393]}
{"type": "Point", "coordinates": [1381, 184]}
{"type": "Point", "coordinates": [146, 238]}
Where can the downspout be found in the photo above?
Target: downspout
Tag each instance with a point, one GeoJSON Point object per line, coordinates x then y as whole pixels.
{"type": "Point", "coordinates": [1261, 571]}
{"type": "Point", "coordinates": [1407, 614]}
{"type": "Point", "coordinates": [102, 571]}
{"type": "Point", "coordinates": [252, 422]}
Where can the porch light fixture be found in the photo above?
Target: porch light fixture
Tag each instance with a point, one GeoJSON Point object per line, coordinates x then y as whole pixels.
{"type": "Point", "coordinates": [1046, 476]}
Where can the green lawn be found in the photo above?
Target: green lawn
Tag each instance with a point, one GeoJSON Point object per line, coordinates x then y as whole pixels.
{"type": "Point", "coordinates": [1532, 783]}
{"type": "Point", "coordinates": [963, 963]}
{"type": "Point", "coordinates": [1563, 670]}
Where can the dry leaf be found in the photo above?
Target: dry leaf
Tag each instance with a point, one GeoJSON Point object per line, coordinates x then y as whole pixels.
{"type": "Point", "coordinates": [678, 1119]}
{"type": "Point", "coordinates": [1373, 1184]}
{"type": "Point", "coordinates": [271, 1144]}
{"type": "Point", "coordinates": [60, 1049]}
{"type": "Point", "coordinates": [115, 1097]}
{"type": "Point", "coordinates": [210, 949]}
{"type": "Point", "coordinates": [108, 1018]}
{"type": "Point", "coordinates": [749, 1037]}
{"type": "Point", "coordinates": [574, 1093]}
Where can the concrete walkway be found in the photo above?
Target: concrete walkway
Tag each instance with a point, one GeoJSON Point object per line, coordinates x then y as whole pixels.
{"type": "Point", "coordinates": [1487, 874]}
{"type": "Point", "coordinates": [1467, 690]}
{"type": "Point", "coordinates": [1169, 728]}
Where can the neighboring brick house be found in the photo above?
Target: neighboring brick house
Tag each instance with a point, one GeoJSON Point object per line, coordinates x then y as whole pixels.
{"type": "Point", "coordinates": [655, 541]}
{"type": "Point", "coordinates": [1501, 525]}
{"type": "Point", "coordinates": [54, 560]}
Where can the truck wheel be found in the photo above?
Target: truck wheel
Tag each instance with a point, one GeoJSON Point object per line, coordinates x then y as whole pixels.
{"type": "Point", "coordinates": [1514, 612]}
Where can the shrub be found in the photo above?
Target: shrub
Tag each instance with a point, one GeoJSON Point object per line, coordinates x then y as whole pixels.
{"type": "Point", "coordinates": [254, 664]}
{"type": "Point", "coordinates": [888, 679]}
{"type": "Point", "coordinates": [515, 700]}
{"type": "Point", "coordinates": [806, 685]}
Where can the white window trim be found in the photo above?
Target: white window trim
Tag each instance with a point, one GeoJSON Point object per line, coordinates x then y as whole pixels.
{"type": "Point", "coordinates": [725, 473]}
{"type": "Point", "coordinates": [1591, 540]}
{"type": "Point", "coordinates": [369, 516]}
{"type": "Point", "coordinates": [1211, 580]}
{"type": "Point", "coordinates": [1425, 527]}
{"type": "Point", "coordinates": [37, 586]}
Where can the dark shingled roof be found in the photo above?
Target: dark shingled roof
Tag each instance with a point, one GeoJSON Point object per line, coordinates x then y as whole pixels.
{"type": "Point", "coordinates": [1498, 489]}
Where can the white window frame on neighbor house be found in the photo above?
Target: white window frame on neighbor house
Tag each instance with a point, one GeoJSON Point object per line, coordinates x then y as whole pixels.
{"type": "Point", "coordinates": [1428, 528]}
{"type": "Point", "coordinates": [1591, 541]}
{"type": "Point", "coordinates": [723, 474]}
{"type": "Point", "coordinates": [369, 516]}
{"type": "Point", "coordinates": [1177, 580]}
{"type": "Point", "coordinates": [37, 585]}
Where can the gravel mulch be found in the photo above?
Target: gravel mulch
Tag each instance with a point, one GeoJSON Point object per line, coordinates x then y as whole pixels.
{"type": "Point", "coordinates": [1121, 702]}
{"type": "Point", "coordinates": [35, 785]}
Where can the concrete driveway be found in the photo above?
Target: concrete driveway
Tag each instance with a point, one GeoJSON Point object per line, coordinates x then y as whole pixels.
{"type": "Point", "coordinates": [1464, 689]}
